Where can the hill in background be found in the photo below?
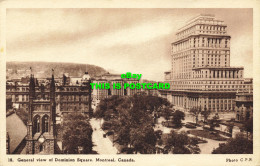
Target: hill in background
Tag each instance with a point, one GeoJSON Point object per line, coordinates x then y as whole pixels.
{"type": "Point", "coordinates": [44, 69]}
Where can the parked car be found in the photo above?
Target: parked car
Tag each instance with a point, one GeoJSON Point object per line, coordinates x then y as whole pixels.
{"type": "Point", "coordinates": [168, 124]}
{"type": "Point", "coordinates": [109, 133]}
{"type": "Point", "coordinates": [190, 125]}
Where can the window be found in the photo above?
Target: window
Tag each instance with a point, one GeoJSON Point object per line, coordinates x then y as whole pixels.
{"type": "Point", "coordinates": [45, 124]}
{"type": "Point", "coordinates": [36, 124]}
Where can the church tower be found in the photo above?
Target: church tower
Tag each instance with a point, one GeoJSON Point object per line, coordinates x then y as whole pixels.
{"type": "Point", "coordinates": [41, 133]}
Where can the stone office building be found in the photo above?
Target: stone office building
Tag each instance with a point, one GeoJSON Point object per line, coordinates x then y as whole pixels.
{"type": "Point", "coordinates": [68, 97]}
{"type": "Point", "coordinates": [201, 75]}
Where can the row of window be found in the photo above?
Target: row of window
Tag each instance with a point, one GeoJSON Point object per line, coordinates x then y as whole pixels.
{"type": "Point", "coordinates": [212, 32]}
{"type": "Point", "coordinates": [41, 107]}
{"type": "Point", "coordinates": [201, 42]}
{"type": "Point", "coordinates": [218, 74]}
{"type": "Point", "coordinates": [212, 88]}
{"type": "Point", "coordinates": [186, 32]}
{"type": "Point", "coordinates": [38, 89]}
{"type": "Point", "coordinates": [214, 27]}
{"type": "Point", "coordinates": [40, 124]}
{"type": "Point", "coordinates": [206, 82]}
{"type": "Point", "coordinates": [201, 51]}
{"type": "Point", "coordinates": [74, 108]}
{"type": "Point", "coordinates": [73, 97]}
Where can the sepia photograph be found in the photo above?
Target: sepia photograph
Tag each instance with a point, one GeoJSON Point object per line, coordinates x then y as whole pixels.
{"type": "Point", "coordinates": [128, 82]}
{"type": "Point", "coordinates": [50, 66]}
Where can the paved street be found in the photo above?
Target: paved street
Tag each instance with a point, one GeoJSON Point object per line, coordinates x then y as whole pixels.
{"type": "Point", "coordinates": [101, 145]}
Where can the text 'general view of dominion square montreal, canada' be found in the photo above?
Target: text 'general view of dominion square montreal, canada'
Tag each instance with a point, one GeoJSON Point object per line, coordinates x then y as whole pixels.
{"type": "Point", "coordinates": [52, 108]}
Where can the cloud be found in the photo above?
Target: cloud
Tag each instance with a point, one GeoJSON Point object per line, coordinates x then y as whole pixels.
{"type": "Point", "coordinates": [39, 28]}
{"type": "Point", "coordinates": [134, 35]}
{"type": "Point", "coordinates": [134, 40]}
{"type": "Point", "coordinates": [242, 53]}
{"type": "Point", "coordinates": [36, 28]}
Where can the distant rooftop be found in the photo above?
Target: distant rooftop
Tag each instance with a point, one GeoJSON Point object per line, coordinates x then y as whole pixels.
{"type": "Point", "coordinates": [16, 130]}
{"type": "Point", "coordinates": [207, 18]}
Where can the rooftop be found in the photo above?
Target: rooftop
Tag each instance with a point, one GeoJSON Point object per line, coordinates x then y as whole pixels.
{"type": "Point", "coordinates": [202, 19]}
{"type": "Point", "coordinates": [16, 130]}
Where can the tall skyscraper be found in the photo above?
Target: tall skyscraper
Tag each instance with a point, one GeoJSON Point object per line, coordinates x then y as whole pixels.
{"type": "Point", "coordinates": [201, 75]}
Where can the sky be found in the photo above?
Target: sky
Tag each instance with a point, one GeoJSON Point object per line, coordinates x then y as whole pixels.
{"type": "Point", "coordinates": [119, 40]}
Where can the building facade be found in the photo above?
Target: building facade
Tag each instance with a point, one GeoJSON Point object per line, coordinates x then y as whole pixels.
{"type": "Point", "coordinates": [41, 132]}
{"type": "Point", "coordinates": [68, 97]}
{"type": "Point", "coordinates": [244, 104]}
{"type": "Point", "coordinates": [201, 75]}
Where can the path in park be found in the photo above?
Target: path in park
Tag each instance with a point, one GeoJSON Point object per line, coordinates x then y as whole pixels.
{"type": "Point", "coordinates": [206, 148]}
{"type": "Point", "coordinates": [101, 145]}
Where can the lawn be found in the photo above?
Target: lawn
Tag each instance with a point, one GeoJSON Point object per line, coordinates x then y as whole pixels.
{"type": "Point", "coordinates": [207, 134]}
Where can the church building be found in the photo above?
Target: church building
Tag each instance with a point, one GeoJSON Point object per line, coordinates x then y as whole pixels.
{"type": "Point", "coordinates": [41, 133]}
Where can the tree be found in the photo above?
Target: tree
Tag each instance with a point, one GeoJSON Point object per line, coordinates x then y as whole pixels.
{"type": "Point", "coordinates": [134, 127]}
{"type": "Point", "coordinates": [77, 134]}
{"type": "Point", "coordinates": [238, 145]}
{"type": "Point", "coordinates": [205, 114]}
{"type": "Point", "coordinates": [178, 116]}
{"type": "Point", "coordinates": [230, 127]}
{"type": "Point", "coordinates": [108, 106]}
{"type": "Point", "coordinates": [143, 140]}
{"type": "Point", "coordinates": [181, 144]}
{"type": "Point", "coordinates": [167, 112]}
{"type": "Point", "coordinates": [9, 103]}
{"type": "Point", "coordinates": [214, 122]}
{"type": "Point", "coordinates": [148, 103]}
{"type": "Point", "coordinates": [248, 126]}
{"type": "Point", "coordinates": [195, 113]}
{"type": "Point", "coordinates": [132, 119]}
{"type": "Point", "coordinates": [158, 134]}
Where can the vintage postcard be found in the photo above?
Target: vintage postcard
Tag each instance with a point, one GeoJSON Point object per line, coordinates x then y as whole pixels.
{"type": "Point", "coordinates": [129, 83]}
